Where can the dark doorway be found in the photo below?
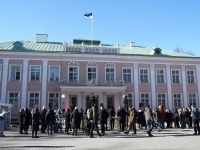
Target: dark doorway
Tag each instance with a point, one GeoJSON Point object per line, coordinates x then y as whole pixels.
{"type": "Point", "coordinates": [88, 105]}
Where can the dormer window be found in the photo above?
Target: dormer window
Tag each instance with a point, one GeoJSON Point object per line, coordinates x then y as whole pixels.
{"type": "Point", "coordinates": [157, 51]}
{"type": "Point", "coordinates": [17, 45]}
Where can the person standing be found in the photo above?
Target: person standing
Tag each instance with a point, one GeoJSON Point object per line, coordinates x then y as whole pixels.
{"type": "Point", "coordinates": [102, 119]}
{"type": "Point", "coordinates": [21, 126]}
{"type": "Point", "coordinates": [3, 121]}
{"type": "Point", "coordinates": [162, 115]}
{"type": "Point", "coordinates": [195, 119]}
{"type": "Point", "coordinates": [26, 120]}
{"type": "Point", "coordinates": [149, 119]}
{"type": "Point", "coordinates": [132, 120]}
{"type": "Point", "coordinates": [67, 121]}
{"type": "Point", "coordinates": [122, 118]}
{"type": "Point", "coordinates": [35, 122]}
{"type": "Point", "coordinates": [75, 121]}
{"type": "Point", "coordinates": [111, 118]}
{"type": "Point", "coordinates": [49, 120]}
{"type": "Point", "coordinates": [43, 114]}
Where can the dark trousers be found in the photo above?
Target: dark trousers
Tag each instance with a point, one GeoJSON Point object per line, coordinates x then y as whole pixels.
{"type": "Point", "coordinates": [49, 125]}
{"type": "Point", "coordinates": [121, 125]}
{"type": "Point", "coordinates": [67, 127]}
{"type": "Point", "coordinates": [43, 127]}
{"type": "Point", "coordinates": [112, 122]}
{"type": "Point", "coordinates": [33, 131]}
{"type": "Point", "coordinates": [196, 126]}
{"type": "Point", "coordinates": [93, 126]}
{"type": "Point", "coordinates": [102, 124]}
{"type": "Point", "coordinates": [176, 123]}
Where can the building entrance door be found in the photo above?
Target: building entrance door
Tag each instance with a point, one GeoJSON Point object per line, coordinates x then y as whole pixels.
{"type": "Point", "coordinates": [88, 104]}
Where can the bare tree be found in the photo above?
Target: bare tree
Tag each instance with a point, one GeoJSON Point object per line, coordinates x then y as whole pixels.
{"type": "Point", "coordinates": [180, 50]}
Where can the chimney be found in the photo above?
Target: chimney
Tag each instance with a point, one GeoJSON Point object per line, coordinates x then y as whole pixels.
{"type": "Point", "coordinates": [132, 44]}
{"type": "Point", "coordinates": [41, 37]}
{"type": "Point", "coordinates": [117, 45]}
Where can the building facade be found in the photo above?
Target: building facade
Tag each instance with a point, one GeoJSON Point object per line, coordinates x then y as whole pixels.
{"type": "Point", "coordinates": [66, 74]}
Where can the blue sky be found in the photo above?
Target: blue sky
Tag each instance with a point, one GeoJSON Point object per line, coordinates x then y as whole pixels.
{"type": "Point", "coordinates": [167, 24]}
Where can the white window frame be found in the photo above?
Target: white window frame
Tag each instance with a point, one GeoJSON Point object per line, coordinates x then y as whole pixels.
{"type": "Point", "coordinates": [194, 73]}
{"type": "Point", "coordinates": [15, 65]}
{"type": "Point", "coordinates": [130, 73]}
{"type": "Point", "coordinates": [29, 92]}
{"type": "Point", "coordinates": [70, 96]}
{"type": "Point", "coordinates": [181, 97]}
{"type": "Point", "coordinates": [132, 96]}
{"type": "Point", "coordinates": [78, 73]}
{"type": "Point", "coordinates": [19, 98]}
{"type": "Point", "coordinates": [96, 72]}
{"type": "Point", "coordinates": [196, 101]}
{"type": "Point", "coordinates": [148, 76]}
{"type": "Point", "coordinates": [50, 73]}
{"type": "Point", "coordinates": [179, 76]}
{"type": "Point", "coordinates": [0, 71]}
{"type": "Point", "coordinates": [163, 76]}
{"type": "Point", "coordinates": [141, 98]}
{"type": "Point", "coordinates": [162, 98]}
{"type": "Point", "coordinates": [59, 100]}
{"type": "Point", "coordinates": [114, 73]}
{"type": "Point", "coordinates": [30, 73]}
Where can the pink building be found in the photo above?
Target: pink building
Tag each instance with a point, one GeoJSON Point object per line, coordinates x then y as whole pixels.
{"type": "Point", "coordinates": [65, 75]}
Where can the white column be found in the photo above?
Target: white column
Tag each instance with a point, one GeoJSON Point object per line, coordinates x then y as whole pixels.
{"type": "Point", "coordinates": [24, 83]}
{"type": "Point", "coordinates": [44, 83]}
{"type": "Point", "coordinates": [136, 86]}
{"type": "Point", "coordinates": [169, 87]}
{"type": "Point", "coordinates": [198, 84]}
{"type": "Point", "coordinates": [153, 87]}
{"type": "Point", "coordinates": [104, 100]}
{"type": "Point", "coordinates": [83, 100]}
{"type": "Point", "coordinates": [4, 80]}
{"type": "Point", "coordinates": [184, 84]}
{"type": "Point", "coordinates": [121, 99]}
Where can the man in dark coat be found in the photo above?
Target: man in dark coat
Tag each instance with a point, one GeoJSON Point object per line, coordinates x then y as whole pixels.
{"type": "Point", "coordinates": [102, 119]}
{"type": "Point", "coordinates": [195, 118]}
{"type": "Point", "coordinates": [43, 114]}
{"type": "Point", "coordinates": [75, 121]}
{"type": "Point", "coordinates": [21, 126]}
{"type": "Point", "coordinates": [111, 118]}
{"type": "Point", "coordinates": [26, 120]}
{"type": "Point", "coordinates": [67, 121]}
{"type": "Point", "coordinates": [122, 118]}
{"type": "Point", "coordinates": [49, 120]}
{"type": "Point", "coordinates": [35, 122]}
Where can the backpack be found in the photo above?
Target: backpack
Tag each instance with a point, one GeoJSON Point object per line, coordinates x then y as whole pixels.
{"type": "Point", "coordinates": [89, 114]}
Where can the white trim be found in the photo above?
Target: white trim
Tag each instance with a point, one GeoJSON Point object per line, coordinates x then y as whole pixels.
{"type": "Point", "coordinates": [114, 72]}
{"type": "Point", "coordinates": [110, 63]}
{"type": "Point", "coordinates": [30, 73]}
{"type": "Point", "coordinates": [87, 73]}
{"type": "Point", "coordinates": [59, 99]}
{"type": "Point", "coordinates": [149, 98]}
{"type": "Point", "coordinates": [73, 62]}
{"type": "Point", "coordinates": [39, 102]}
{"type": "Point", "coordinates": [180, 79]}
{"type": "Point", "coordinates": [164, 73]}
{"type": "Point", "coordinates": [69, 72]}
{"type": "Point", "coordinates": [181, 97]}
{"type": "Point", "coordinates": [0, 70]}
{"type": "Point", "coordinates": [194, 72]}
{"type": "Point", "coordinates": [19, 98]}
{"type": "Point", "coordinates": [136, 86]}
{"type": "Point", "coordinates": [15, 65]}
{"type": "Point", "coordinates": [130, 73]}
{"type": "Point", "coordinates": [196, 98]}
{"type": "Point", "coordinates": [4, 81]}
{"type": "Point", "coordinates": [49, 73]}
{"type": "Point", "coordinates": [148, 76]}
{"type": "Point", "coordinates": [44, 81]}
{"type": "Point", "coordinates": [166, 104]}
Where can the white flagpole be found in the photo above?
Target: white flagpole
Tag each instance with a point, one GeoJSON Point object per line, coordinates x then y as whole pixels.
{"type": "Point", "coordinates": [92, 28]}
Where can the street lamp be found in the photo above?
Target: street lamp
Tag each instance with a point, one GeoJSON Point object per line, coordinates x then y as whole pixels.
{"type": "Point", "coordinates": [125, 102]}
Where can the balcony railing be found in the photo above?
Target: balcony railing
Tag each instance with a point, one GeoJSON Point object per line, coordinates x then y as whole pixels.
{"type": "Point", "coordinates": [92, 82]}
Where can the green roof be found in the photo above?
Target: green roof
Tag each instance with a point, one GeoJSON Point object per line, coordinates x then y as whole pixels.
{"type": "Point", "coordinates": [58, 47]}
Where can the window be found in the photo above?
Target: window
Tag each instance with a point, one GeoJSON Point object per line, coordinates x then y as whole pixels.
{"type": "Point", "coordinates": [129, 100]}
{"type": "Point", "coordinates": [110, 74]}
{"type": "Point", "coordinates": [15, 73]}
{"type": "Point", "coordinates": [144, 75]}
{"type": "Point", "coordinates": [73, 102]}
{"type": "Point", "coordinates": [160, 76]}
{"type": "Point", "coordinates": [192, 99]}
{"type": "Point", "coordinates": [53, 100]}
{"type": "Point", "coordinates": [92, 73]}
{"type": "Point", "coordinates": [14, 99]}
{"type": "Point", "coordinates": [144, 99]}
{"type": "Point", "coordinates": [177, 100]}
{"type": "Point", "coordinates": [190, 76]}
{"type": "Point", "coordinates": [110, 102]}
{"type": "Point", "coordinates": [0, 71]}
{"type": "Point", "coordinates": [54, 73]}
{"type": "Point", "coordinates": [127, 75]}
{"type": "Point", "coordinates": [35, 73]}
{"type": "Point", "coordinates": [33, 100]}
{"type": "Point", "coordinates": [161, 99]}
{"type": "Point", "coordinates": [175, 76]}
{"type": "Point", "coordinates": [73, 74]}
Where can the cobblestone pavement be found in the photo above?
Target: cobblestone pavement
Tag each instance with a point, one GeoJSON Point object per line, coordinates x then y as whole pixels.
{"type": "Point", "coordinates": [167, 139]}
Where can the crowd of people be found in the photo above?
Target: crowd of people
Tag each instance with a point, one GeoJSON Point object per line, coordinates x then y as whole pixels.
{"type": "Point", "coordinates": [76, 120]}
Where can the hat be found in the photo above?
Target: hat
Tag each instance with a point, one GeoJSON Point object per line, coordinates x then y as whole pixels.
{"type": "Point", "coordinates": [101, 104]}
{"type": "Point", "coordinates": [75, 107]}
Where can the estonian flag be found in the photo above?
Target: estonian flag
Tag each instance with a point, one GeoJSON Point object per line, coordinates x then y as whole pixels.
{"type": "Point", "coordinates": [88, 15]}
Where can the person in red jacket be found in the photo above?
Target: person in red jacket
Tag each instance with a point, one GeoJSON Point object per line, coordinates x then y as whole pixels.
{"type": "Point", "coordinates": [162, 115]}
